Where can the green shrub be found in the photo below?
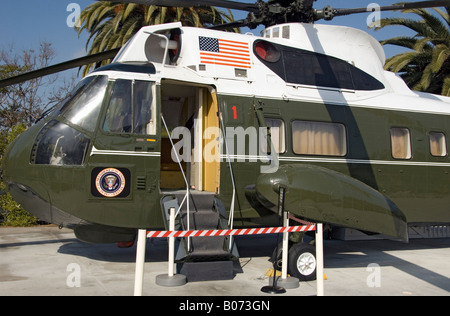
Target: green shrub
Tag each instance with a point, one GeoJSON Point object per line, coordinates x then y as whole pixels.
{"type": "Point", "coordinates": [11, 213]}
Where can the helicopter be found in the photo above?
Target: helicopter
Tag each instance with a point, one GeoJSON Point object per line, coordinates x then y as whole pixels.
{"type": "Point", "coordinates": [217, 125]}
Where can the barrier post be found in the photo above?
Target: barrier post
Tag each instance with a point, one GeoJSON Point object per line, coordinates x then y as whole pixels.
{"type": "Point", "coordinates": [140, 260]}
{"type": "Point", "coordinates": [285, 281]}
{"type": "Point", "coordinates": [280, 285]}
{"type": "Point", "coordinates": [171, 279]}
{"type": "Point", "coordinates": [319, 259]}
{"type": "Point", "coordinates": [284, 258]}
{"type": "Point", "coordinates": [171, 242]}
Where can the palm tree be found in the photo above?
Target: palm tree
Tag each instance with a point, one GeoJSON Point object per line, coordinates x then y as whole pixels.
{"type": "Point", "coordinates": [111, 25]}
{"type": "Point", "coordinates": [426, 64]}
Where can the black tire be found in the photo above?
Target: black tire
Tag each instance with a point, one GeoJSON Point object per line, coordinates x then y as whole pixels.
{"type": "Point", "coordinates": [302, 262]}
{"type": "Point", "coordinates": [276, 257]}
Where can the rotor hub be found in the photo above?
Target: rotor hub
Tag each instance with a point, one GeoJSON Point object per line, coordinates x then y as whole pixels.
{"type": "Point", "coordinates": [285, 11]}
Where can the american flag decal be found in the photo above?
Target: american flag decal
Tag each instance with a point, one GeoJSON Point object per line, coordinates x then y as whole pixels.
{"type": "Point", "coordinates": [224, 52]}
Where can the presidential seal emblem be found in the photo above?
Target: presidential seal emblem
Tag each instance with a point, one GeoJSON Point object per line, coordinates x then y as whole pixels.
{"type": "Point", "coordinates": [110, 182]}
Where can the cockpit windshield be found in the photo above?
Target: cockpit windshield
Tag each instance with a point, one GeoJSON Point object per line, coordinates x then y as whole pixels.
{"type": "Point", "coordinates": [83, 107]}
{"type": "Point", "coordinates": [130, 109]}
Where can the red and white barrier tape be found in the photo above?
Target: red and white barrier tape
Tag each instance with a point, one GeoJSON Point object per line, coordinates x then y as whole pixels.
{"type": "Point", "coordinates": [229, 232]}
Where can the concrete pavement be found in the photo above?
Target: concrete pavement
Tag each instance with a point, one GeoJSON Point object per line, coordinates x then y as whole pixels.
{"type": "Point", "coordinates": [51, 261]}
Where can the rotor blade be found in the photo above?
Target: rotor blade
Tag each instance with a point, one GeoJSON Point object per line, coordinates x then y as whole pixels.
{"type": "Point", "coordinates": [402, 6]}
{"type": "Point", "coordinates": [225, 26]}
{"type": "Point", "coordinates": [60, 67]}
{"type": "Point", "coordinates": [250, 7]}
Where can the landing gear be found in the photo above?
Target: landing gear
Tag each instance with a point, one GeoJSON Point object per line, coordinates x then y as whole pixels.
{"type": "Point", "coordinates": [301, 261]}
{"type": "Point", "coordinates": [301, 258]}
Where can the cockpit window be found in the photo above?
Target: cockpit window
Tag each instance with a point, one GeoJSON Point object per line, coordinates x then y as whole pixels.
{"type": "Point", "coordinates": [60, 144]}
{"type": "Point", "coordinates": [118, 115]}
{"type": "Point", "coordinates": [83, 107]}
{"type": "Point", "coordinates": [130, 108]}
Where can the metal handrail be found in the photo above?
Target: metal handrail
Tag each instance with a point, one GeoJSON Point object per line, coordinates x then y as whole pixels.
{"type": "Point", "coordinates": [231, 217]}
{"type": "Point", "coordinates": [186, 197]}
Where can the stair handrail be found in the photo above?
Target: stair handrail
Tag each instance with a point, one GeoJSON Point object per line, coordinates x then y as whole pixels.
{"type": "Point", "coordinates": [233, 198]}
{"type": "Point", "coordinates": [186, 197]}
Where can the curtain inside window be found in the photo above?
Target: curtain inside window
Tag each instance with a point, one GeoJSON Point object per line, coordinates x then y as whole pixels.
{"type": "Point", "coordinates": [438, 146]}
{"type": "Point", "coordinates": [319, 138]}
{"type": "Point", "coordinates": [401, 143]}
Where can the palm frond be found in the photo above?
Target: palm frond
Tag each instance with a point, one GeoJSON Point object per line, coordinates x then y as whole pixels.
{"type": "Point", "coordinates": [111, 25]}
{"type": "Point", "coordinates": [426, 64]}
{"type": "Point", "coordinates": [446, 87]}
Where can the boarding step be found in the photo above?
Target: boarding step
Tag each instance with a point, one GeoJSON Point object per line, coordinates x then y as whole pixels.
{"type": "Point", "coordinates": [206, 270]}
{"type": "Point", "coordinates": [202, 258]}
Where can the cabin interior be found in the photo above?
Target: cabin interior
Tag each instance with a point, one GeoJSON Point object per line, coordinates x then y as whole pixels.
{"type": "Point", "coordinates": [191, 109]}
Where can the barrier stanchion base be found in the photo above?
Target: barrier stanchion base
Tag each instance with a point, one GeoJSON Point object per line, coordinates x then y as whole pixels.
{"type": "Point", "coordinates": [175, 280]}
{"type": "Point", "coordinates": [288, 283]}
{"type": "Point", "coordinates": [273, 289]}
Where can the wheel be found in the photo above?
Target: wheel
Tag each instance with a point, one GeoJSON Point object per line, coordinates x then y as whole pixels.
{"type": "Point", "coordinates": [276, 257]}
{"type": "Point", "coordinates": [302, 262]}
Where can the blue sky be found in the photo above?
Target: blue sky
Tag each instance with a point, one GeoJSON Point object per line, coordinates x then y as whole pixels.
{"type": "Point", "coordinates": [26, 23]}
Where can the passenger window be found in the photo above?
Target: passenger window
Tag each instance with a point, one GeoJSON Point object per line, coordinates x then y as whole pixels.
{"type": "Point", "coordinates": [130, 108]}
{"type": "Point", "coordinates": [319, 138]}
{"type": "Point", "coordinates": [438, 144]}
{"type": "Point", "coordinates": [401, 143]}
{"type": "Point", "coordinates": [278, 137]}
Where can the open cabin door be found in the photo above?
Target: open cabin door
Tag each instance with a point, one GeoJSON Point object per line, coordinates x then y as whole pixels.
{"type": "Point", "coordinates": [190, 114]}
{"type": "Point", "coordinates": [211, 142]}
{"type": "Point", "coordinates": [189, 179]}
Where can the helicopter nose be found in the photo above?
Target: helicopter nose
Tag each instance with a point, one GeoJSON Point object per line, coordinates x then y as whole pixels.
{"type": "Point", "coordinates": [17, 155]}
{"type": "Point", "coordinates": [28, 182]}
{"type": "Point", "coordinates": [22, 180]}
{"type": "Point", "coordinates": [14, 161]}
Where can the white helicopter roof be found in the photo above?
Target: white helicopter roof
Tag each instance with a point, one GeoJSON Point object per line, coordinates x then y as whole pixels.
{"type": "Point", "coordinates": [349, 44]}
{"type": "Point", "coordinates": [346, 43]}
{"type": "Point", "coordinates": [244, 74]}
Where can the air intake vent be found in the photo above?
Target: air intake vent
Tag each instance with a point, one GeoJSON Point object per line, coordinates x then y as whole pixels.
{"type": "Point", "coordinates": [141, 182]}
